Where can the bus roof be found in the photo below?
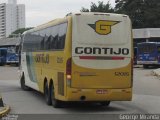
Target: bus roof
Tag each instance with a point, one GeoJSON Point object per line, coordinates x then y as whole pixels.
{"type": "Point", "coordinates": [60, 20]}
{"type": "Point", "coordinates": [43, 26]}
{"type": "Point", "coordinates": [149, 43]}
{"type": "Point", "coordinates": [3, 48]}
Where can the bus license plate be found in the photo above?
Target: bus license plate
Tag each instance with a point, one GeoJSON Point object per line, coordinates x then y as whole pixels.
{"type": "Point", "coordinates": [101, 91]}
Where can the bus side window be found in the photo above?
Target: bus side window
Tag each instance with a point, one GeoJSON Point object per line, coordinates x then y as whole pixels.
{"type": "Point", "coordinates": [54, 34]}
{"type": "Point", "coordinates": [48, 42]}
{"type": "Point", "coordinates": [56, 42]}
{"type": "Point", "coordinates": [27, 43]}
{"type": "Point", "coordinates": [45, 43]}
{"type": "Point", "coordinates": [62, 35]}
{"type": "Point", "coordinates": [158, 48]}
{"type": "Point", "coordinates": [42, 44]}
{"type": "Point", "coordinates": [50, 39]}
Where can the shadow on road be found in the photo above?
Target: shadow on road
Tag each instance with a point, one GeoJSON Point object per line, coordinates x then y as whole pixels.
{"type": "Point", "coordinates": [79, 107]}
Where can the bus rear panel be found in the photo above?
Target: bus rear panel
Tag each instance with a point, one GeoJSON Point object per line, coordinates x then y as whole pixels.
{"type": "Point", "coordinates": [101, 66]}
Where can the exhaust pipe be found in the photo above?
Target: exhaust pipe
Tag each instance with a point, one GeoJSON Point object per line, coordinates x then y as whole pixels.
{"type": "Point", "coordinates": [82, 98]}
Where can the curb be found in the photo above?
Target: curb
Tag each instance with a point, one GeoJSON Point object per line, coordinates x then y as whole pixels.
{"type": "Point", "coordinates": [4, 111]}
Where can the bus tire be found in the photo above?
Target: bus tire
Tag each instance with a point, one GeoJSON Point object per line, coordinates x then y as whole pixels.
{"type": "Point", "coordinates": [17, 64]}
{"type": "Point", "coordinates": [22, 82]}
{"type": "Point", "coordinates": [47, 94]}
{"type": "Point", "coordinates": [145, 66]}
{"type": "Point", "coordinates": [105, 103]}
{"type": "Point", "coordinates": [55, 103]}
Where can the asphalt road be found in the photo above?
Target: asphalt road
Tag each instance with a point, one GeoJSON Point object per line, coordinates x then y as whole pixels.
{"type": "Point", "coordinates": [146, 97]}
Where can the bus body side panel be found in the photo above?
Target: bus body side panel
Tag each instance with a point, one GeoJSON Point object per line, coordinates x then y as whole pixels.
{"type": "Point", "coordinates": [49, 65]}
{"type": "Point", "coordinates": [27, 60]}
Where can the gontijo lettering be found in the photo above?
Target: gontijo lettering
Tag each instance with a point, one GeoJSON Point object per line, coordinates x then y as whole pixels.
{"type": "Point", "coordinates": [98, 50]}
{"type": "Point", "coordinates": [42, 58]}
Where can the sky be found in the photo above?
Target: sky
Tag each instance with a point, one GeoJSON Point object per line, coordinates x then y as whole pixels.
{"type": "Point", "coordinates": [42, 11]}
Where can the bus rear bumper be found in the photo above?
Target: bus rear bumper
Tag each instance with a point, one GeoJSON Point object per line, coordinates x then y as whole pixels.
{"type": "Point", "coordinates": [99, 94]}
{"type": "Point", "coordinates": [147, 62]}
{"type": "Point", "coordinates": [12, 62]}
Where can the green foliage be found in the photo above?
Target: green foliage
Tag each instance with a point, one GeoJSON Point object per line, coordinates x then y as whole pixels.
{"type": "Point", "coordinates": [84, 9]}
{"type": "Point", "coordinates": [143, 13]}
{"type": "Point", "coordinates": [101, 7]}
{"type": "Point", "coordinates": [19, 32]}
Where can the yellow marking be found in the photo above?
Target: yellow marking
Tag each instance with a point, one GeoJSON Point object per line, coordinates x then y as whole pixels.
{"type": "Point", "coordinates": [104, 27]}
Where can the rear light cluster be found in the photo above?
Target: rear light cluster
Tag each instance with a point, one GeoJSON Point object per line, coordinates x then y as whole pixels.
{"type": "Point", "coordinates": [69, 71]}
{"type": "Point", "coordinates": [131, 72]}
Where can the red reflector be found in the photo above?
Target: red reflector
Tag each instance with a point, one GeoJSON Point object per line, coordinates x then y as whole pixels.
{"type": "Point", "coordinates": [117, 58]}
{"type": "Point", "coordinates": [69, 67]}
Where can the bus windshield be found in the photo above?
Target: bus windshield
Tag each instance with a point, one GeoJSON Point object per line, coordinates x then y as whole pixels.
{"type": "Point", "coordinates": [146, 48]}
{"type": "Point", "coordinates": [3, 52]}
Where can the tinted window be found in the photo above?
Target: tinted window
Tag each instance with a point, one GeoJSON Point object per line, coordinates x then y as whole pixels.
{"type": "Point", "coordinates": [32, 42]}
{"type": "Point", "coordinates": [3, 52]}
{"type": "Point", "coordinates": [62, 35]}
{"type": "Point", "coordinates": [51, 38]}
{"type": "Point", "coordinates": [146, 48]}
{"type": "Point", "coordinates": [54, 32]}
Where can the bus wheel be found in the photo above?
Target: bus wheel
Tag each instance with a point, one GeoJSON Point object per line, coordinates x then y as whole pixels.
{"type": "Point", "coordinates": [22, 82]}
{"type": "Point", "coordinates": [105, 103]}
{"type": "Point", "coordinates": [47, 94]}
{"type": "Point", "coordinates": [55, 103]}
{"type": "Point", "coordinates": [17, 64]}
{"type": "Point", "coordinates": [145, 66]}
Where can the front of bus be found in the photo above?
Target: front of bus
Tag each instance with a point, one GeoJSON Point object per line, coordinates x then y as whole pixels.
{"type": "Point", "coordinates": [101, 58]}
{"type": "Point", "coordinates": [147, 54]}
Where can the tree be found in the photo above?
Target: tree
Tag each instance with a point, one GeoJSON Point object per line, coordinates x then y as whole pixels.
{"type": "Point", "coordinates": [101, 7]}
{"type": "Point", "coordinates": [19, 32]}
{"type": "Point", "coordinates": [143, 13]}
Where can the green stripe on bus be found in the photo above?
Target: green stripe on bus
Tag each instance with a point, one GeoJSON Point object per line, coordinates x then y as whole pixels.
{"type": "Point", "coordinates": [30, 67]}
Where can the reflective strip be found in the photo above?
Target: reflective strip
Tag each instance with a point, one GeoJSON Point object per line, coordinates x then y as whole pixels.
{"type": "Point", "coordinates": [101, 58]}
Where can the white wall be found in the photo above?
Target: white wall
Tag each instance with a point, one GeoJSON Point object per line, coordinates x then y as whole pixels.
{"type": "Point", "coordinates": [146, 33]}
{"type": "Point", "coordinates": [11, 18]}
{"type": "Point", "coordinates": [2, 20]}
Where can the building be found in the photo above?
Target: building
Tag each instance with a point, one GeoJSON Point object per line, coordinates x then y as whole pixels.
{"type": "Point", "coordinates": [12, 17]}
{"type": "Point", "coordinates": [9, 42]}
{"type": "Point", "coordinates": [146, 35]}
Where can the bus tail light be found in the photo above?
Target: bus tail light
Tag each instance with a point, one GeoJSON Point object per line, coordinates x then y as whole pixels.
{"type": "Point", "coordinates": [131, 72]}
{"type": "Point", "coordinates": [69, 71]}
